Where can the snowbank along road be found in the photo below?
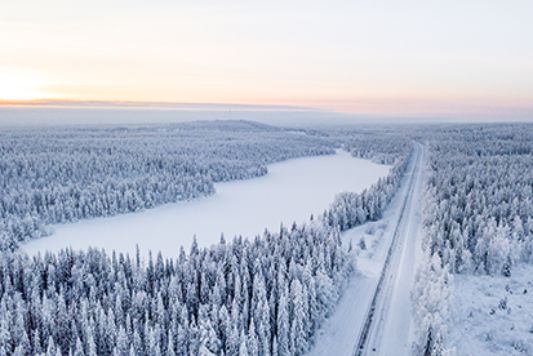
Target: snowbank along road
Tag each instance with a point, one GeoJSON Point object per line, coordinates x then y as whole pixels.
{"type": "Point", "coordinates": [387, 328]}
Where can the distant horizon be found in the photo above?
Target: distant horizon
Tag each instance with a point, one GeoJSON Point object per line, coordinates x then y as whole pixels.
{"type": "Point", "coordinates": [60, 113]}
{"type": "Point", "coordinates": [471, 60]}
{"type": "Point", "coordinates": [475, 112]}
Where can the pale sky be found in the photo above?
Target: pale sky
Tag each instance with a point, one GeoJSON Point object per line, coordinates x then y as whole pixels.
{"type": "Point", "coordinates": [398, 57]}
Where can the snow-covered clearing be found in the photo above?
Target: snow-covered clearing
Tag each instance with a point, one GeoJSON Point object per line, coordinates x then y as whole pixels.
{"type": "Point", "coordinates": [291, 191]}
{"type": "Point", "coordinates": [493, 315]}
{"type": "Point", "coordinates": [392, 329]}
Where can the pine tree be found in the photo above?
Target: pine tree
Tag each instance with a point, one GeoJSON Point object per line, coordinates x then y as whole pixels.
{"type": "Point", "coordinates": [243, 348]}
{"type": "Point", "coordinates": [78, 351]}
{"type": "Point", "coordinates": [297, 331]}
{"type": "Point", "coordinates": [283, 327]}
{"type": "Point", "coordinates": [51, 349]}
{"type": "Point", "coordinates": [122, 344]}
{"type": "Point", "coordinates": [252, 344]}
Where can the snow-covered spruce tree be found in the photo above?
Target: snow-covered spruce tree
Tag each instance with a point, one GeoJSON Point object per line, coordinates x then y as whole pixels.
{"type": "Point", "coordinates": [431, 306]}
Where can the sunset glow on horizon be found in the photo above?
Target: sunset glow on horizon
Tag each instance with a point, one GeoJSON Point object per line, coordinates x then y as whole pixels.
{"type": "Point", "coordinates": [417, 57]}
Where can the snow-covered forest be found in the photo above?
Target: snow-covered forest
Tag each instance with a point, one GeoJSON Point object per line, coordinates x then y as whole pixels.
{"type": "Point", "coordinates": [383, 146]}
{"type": "Point", "coordinates": [478, 215]}
{"type": "Point", "coordinates": [67, 174]}
{"type": "Point", "coordinates": [351, 209]}
{"type": "Point", "coordinates": [248, 296]}
{"type": "Point", "coordinates": [481, 188]}
{"type": "Point", "coordinates": [266, 178]}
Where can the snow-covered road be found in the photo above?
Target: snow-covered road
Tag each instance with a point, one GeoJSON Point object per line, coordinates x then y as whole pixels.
{"type": "Point", "coordinates": [389, 319]}
{"type": "Point", "coordinates": [374, 314]}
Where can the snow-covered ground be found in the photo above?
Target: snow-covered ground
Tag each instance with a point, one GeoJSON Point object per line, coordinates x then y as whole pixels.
{"type": "Point", "coordinates": [493, 315]}
{"type": "Point", "coordinates": [339, 334]}
{"type": "Point", "coordinates": [291, 191]}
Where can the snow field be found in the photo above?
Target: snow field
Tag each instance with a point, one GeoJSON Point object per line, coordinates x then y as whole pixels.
{"type": "Point", "coordinates": [493, 315]}
{"type": "Point", "coordinates": [291, 191]}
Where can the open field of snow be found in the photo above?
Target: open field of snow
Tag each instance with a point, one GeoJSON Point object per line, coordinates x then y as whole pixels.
{"type": "Point", "coordinates": [493, 315]}
{"type": "Point", "coordinates": [291, 191]}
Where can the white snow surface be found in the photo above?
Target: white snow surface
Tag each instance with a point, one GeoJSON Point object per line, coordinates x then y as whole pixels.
{"type": "Point", "coordinates": [291, 191]}
{"type": "Point", "coordinates": [492, 315]}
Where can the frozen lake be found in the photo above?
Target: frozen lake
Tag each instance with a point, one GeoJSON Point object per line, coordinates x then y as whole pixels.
{"type": "Point", "coordinates": [291, 191]}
